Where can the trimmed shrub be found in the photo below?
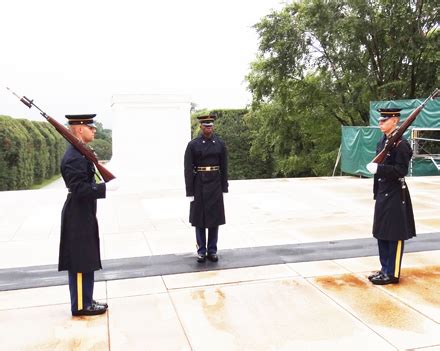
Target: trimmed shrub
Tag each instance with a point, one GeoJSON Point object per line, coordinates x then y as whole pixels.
{"type": "Point", "coordinates": [16, 152]}
{"type": "Point", "coordinates": [39, 151]}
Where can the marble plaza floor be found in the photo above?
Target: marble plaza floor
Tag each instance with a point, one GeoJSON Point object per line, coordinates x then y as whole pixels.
{"type": "Point", "coordinates": [299, 304]}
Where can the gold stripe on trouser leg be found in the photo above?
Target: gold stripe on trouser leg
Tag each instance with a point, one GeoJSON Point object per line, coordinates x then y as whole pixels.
{"type": "Point", "coordinates": [79, 289]}
{"type": "Point", "coordinates": [398, 257]}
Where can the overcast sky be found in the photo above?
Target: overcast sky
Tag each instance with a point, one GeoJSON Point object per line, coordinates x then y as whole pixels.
{"type": "Point", "coordinates": [72, 56]}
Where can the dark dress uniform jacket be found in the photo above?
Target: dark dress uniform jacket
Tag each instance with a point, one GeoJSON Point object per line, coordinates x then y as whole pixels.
{"type": "Point", "coordinates": [207, 209]}
{"type": "Point", "coordinates": [79, 243]}
{"type": "Point", "coordinates": [393, 212]}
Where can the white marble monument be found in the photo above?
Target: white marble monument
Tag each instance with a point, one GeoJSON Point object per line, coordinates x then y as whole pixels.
{"type": "Point", "coordinates": [150, 134]}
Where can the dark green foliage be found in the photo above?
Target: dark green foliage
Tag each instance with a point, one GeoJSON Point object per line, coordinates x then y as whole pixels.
{"type": "Point", "coordinates": [29, 152]}
{"type": "Point", "coordinates": [103, 142]}
{"type": "Point", "coordinates": [101, 133]}
{"type": "Point", "coordinates": [232, 128]}
{"type": "Point", "coordinates": [16, 155]}
{"type": "Point", "coordinates": [8, 154]}
{"type": "Point", "coordinates": [320, 63]}
{"type": "Point", "coordinates": [51, 142]}
{"type": "Point", "coordinates": [25, 168]}
{"type": "Point", "coordinates": [60, 147]}
{"type": "Point", "coordinates": [103, 149]}
{"type": "Point", "coordinates": [39, 152]}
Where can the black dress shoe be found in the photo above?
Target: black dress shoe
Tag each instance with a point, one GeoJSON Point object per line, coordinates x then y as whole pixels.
{"type": "Point", "coordinates": [213, 257]}
{"type": "Point", "coordinates": [91, 310]}
{"type": "Point", "coordinates": [94, 302]}
{"type": "Point", "coordinates": [201, 258]}
{"type": "Point", "coordinates": [375, 275]}
{"type": "Point", "coordinates": [383, 279]}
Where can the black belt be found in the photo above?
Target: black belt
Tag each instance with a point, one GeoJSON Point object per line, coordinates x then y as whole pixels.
{"type": "Point", "coordinates": [208, 168]}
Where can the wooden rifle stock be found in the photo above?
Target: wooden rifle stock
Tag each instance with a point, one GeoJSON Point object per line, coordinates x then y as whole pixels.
{"type": "Point", "coordinates": [397, 134]}
{"type": "Point", "coordinates": [86, 151]}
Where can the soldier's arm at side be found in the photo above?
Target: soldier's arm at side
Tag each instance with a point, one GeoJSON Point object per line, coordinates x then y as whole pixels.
{"type": "Point", "coordinates": [224, 169]}
{"type": "Point", "coordinates": [188, 170]}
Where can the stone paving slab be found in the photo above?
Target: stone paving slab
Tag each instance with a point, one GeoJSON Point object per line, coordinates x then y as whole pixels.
{"type": "Point", "coordinates": [286, 314]}
{"type": "Point", "coordinates": [278, 307]}
{"type": "Point", "coordinates": [47, 328]}
{"type": "Point", "coordinates": [155, 222]}
{"type": "Point", "coordinates": [419, 289]}
{"type": "Point", "coordinates": [147, 322]}
{"type": "Point", "coordinates": [400, 324]}
{"type": "Point", "coordinates": [263, 304]}
{"type": "Point", "coordinates": [228, 276]}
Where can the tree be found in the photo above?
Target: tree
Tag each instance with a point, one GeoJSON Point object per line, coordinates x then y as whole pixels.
{"type": "Point", "coordinates": [102, 148]}
{"type": "Point", "coordinates": [101, 133]}
{"type": "Point", "coordinates": [103, 142]}
{"type": "Point", "coordinates": [319, 64]}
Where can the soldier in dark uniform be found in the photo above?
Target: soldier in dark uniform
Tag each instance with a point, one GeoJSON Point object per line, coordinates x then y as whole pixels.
{"type": "Point", "coordinates": [79, 242]}
{"type": "Point", "coordinates": [206, 179]}
{"type": "Point", "coordinates": [393, 212]}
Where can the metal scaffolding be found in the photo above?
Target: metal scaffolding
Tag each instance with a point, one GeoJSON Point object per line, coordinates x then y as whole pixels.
{"type": "Point", "coordinates": [425, 143]}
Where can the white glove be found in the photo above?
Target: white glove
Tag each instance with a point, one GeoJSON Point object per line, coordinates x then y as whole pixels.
{"type": "Point", "coordinates": [112, 185]}
{"type": "Point", "coordinates": [372, 167]}
{"type": "Point", "coordinates": [190, 198]}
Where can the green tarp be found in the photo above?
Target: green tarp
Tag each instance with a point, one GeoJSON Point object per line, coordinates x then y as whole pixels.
{"type": "Point", "coordinates": [358, 144]}
{"type": "Point", "coordinates": [358, 147]}
{"type": "Point", "coordinates": [429, 117]}
{"type": "Point", "coordinates": [423, 167]}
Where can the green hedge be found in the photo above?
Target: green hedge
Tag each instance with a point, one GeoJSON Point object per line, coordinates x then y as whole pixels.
{"type": "Point", "coordinates": [30, 152]}
{"type": "Point", "coordinates": [39, 151]}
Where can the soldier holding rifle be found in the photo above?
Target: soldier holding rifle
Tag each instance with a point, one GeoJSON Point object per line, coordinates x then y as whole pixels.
{"type": "Point", "coordinates": [79, 243]}
{"type": "Point", "coordinates": [393, 212]}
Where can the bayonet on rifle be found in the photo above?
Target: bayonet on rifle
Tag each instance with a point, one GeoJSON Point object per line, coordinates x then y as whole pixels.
{"type": "Point", "coordinates": [86, 151]}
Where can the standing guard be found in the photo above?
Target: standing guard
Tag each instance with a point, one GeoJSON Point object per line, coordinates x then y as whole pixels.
{"type": "Point", "coordinates": [79, 242]}
{"type": "Point", "coordinates": [206, 179]}
{"type": "Point", "coordinates": [393, 212]}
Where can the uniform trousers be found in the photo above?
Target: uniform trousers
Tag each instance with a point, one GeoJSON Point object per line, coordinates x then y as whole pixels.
{"type": "Point", "coordinates": [202, 247]}
{"type": "Point", "coordinates": [390, 254]}
{"type": "Point", "coordinates": [81, 289]}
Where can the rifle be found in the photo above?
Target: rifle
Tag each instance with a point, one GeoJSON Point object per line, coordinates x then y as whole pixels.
{"type": "Point", "coordinates": [85, 150]}
{"type": "Point", "coordinates": [398, 132]}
